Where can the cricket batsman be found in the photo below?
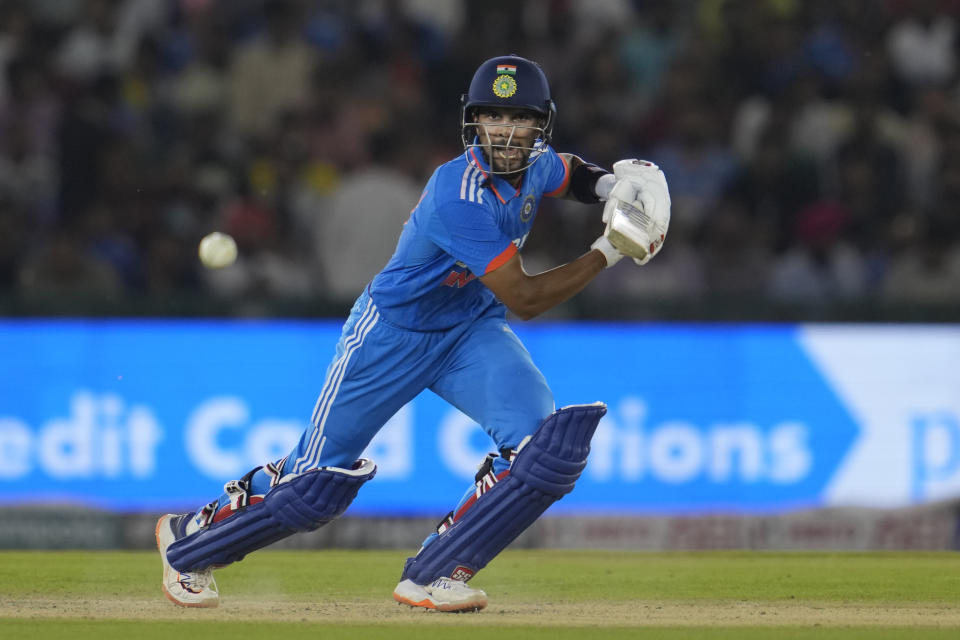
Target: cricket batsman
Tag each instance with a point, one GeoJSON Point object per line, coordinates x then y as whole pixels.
{"type": "Point", "coordinates": [435, 318]}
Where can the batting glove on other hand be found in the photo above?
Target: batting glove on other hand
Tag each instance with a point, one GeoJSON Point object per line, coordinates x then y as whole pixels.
{"type": "Point", "coordinates": [637, 212]}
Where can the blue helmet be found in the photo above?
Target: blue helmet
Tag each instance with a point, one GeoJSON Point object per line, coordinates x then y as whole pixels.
{"type": "Point", "coordinates": [509, 81]}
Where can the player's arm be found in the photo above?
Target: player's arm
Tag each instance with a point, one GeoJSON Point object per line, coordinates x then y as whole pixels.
{"type": "Point", "coordinates": [637, 210]}
{"type": "Point", "coordinates": [528, 296]}
{"type": "Point", "coordinates": [587, 182]}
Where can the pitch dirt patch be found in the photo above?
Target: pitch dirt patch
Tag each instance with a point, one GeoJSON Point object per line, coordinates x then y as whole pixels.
{"type": "Point", "coordinates": [582, 614]}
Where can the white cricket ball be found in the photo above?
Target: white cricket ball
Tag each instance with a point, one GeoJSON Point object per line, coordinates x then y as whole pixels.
{"type": "Point", "coordinates": [217, 250]}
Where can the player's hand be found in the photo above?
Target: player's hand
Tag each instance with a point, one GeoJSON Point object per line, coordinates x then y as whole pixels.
{"type": "Point", "coordinates": [647, 180]}
{"type": "Point", "coordinates": [637, 212]}
{"type": "Point", "coordinates": [602, 244]}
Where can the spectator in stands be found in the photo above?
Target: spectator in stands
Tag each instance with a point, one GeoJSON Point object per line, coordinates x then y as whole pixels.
{"type": "Point", "coordinates": [922, 44]}
{"type": "Point", "coordinates": [819, 125]}
{"type": "Point", "coordinates": [64, 268]}
{"type": "Point", "coordinates": [271, 74]}
{"type": "Point", "coordinates": [928, 269]}
{"type": "Point", "coordinates": [820, 267]}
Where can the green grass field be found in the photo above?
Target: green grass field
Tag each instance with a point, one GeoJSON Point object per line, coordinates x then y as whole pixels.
{"type": "Point", "coordinates": [533, 594]}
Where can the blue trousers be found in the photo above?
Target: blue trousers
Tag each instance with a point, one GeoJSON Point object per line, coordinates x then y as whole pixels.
{"type": "Point", "coordinates": [479, 367]}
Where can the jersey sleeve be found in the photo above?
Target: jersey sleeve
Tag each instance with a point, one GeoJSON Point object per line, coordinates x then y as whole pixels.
{"type": "Point", "coordinates": [557, 174]}
{"type": "Point", "coordinates": [469, 233]}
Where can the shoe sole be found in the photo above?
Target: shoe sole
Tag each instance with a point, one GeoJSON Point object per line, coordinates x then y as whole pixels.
{"type": "Point", "coordinates": [426, 603]}
{"type": "Point", "coordinates": [166, 592]}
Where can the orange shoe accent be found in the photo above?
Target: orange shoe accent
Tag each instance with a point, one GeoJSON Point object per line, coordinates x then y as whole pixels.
{"type": "Point", "coordinates": [447, 608]}
{"type": "Point", "coordinates": [426, 604]}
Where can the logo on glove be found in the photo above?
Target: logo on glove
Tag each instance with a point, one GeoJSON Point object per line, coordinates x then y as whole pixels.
{"type": "Point", "coordinates": [656, 244]}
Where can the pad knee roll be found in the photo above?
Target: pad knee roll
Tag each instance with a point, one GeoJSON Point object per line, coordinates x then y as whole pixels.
{"type": "Point", "coordinates": [544, 470]}
{"type": "Point", "coordinates": [552, 460]}
{"type": "Point", "coordinates": [302, 503]}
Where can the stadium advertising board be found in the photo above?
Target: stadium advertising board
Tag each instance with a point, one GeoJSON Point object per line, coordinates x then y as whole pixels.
{"type": "Point", "coordinates": [156, 415]}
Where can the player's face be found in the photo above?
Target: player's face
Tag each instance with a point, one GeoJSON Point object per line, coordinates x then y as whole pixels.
{"type": "Point", "coordinates": [507, 136]}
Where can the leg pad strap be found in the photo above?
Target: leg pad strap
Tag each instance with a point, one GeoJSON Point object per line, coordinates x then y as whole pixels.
{"type": "Point", "coordinates": [303, 503]}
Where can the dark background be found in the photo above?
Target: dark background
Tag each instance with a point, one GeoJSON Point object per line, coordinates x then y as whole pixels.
{"type": "Point", "coordinates": [812, 149]}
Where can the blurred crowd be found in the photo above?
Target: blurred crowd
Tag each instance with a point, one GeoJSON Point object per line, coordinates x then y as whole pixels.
{"type": "Point", "coordinates": [812, 146]}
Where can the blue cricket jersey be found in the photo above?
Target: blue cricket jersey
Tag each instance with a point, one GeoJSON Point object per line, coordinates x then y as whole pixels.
{"type": "Point", "coordinates": [468, 222]}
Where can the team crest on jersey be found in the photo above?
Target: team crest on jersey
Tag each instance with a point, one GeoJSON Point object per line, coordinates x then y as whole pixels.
{"type": "Point", "coordinates": [526, 211]}
{"type": "Point", "coordinates": [504, 86]}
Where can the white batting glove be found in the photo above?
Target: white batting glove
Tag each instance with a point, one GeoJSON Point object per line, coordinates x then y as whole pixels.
{"type": "Point", "coordinates": [604, 186]}
{"type": "Point", "coordinates": [637, 212]}
{"type": "Point", "coordinates": [643, 176]}
{"type": "Point", "coordinates": [602, 244]}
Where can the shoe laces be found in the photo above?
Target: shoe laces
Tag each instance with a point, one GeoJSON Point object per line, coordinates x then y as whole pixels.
{"type": "Point", "coordinates": [449, 584]}
{"type": "Point", "coordinates": [196, 580]}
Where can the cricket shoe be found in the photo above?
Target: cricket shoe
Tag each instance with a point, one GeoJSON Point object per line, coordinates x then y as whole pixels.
{"type": "Point", "coordinates": [193, 589]}
{"type": "Point", "coordinates": [443, 594]}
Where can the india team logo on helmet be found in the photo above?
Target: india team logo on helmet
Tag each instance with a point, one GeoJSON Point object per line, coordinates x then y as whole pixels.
{"type": "Point", "coordinates": [506, 84]}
